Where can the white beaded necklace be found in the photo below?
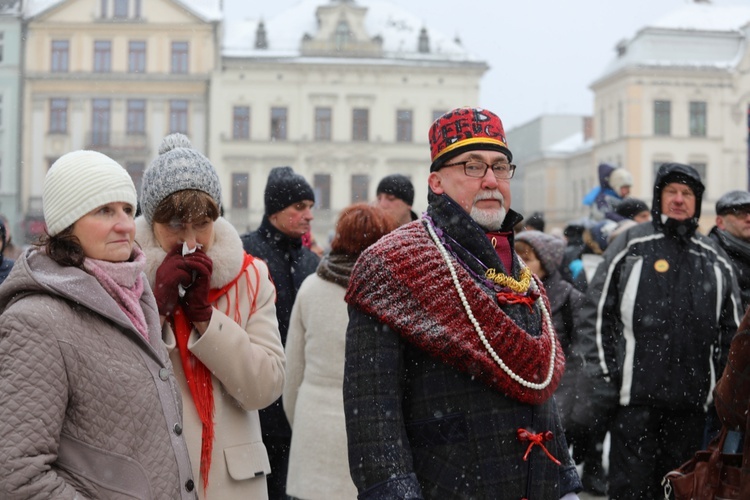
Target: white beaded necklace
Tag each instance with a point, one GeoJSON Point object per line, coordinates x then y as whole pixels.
{"type": "Point", "coordinates": [480, 332]}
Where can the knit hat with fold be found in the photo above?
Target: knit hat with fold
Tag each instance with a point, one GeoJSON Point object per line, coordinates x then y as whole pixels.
{"type": "Point", "coordinates": [79, 182]}
{"type": "Point", "coordinates": [548, 249]}
{"type": "Point", "coordinates": [178, 167]}
{"type": "Point", "coordinates": [284, 188]}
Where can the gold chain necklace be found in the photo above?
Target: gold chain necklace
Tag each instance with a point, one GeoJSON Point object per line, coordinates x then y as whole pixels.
{"type": "Point", "coordinates": [519, 286]}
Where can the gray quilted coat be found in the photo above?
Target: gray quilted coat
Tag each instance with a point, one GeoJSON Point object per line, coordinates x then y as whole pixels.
{"type": "Point", "coordinates": [88, 408]}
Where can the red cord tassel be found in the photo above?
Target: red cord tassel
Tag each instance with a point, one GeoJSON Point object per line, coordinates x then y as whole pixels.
{"type": "Point", "coordinates": [538, 440]}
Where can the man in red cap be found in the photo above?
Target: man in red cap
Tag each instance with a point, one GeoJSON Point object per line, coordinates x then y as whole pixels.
{"type": "Point", "coordinates": [451, 358]}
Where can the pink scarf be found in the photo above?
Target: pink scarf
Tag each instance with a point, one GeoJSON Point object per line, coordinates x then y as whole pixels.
{"type": "Point", "coordinates": [124, 282]}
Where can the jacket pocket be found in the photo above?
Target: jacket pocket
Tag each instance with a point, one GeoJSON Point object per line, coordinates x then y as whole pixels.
{"type": "Point", "coordinates": [96, 466]}
{"type": "Point", "coordinates": [448, 429]}
{"type": "Point", "coordinates": [247, 461]}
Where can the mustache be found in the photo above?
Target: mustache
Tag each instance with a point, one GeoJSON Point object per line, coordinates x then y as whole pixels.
{"type": "Point", "coordinates": [490, 195]}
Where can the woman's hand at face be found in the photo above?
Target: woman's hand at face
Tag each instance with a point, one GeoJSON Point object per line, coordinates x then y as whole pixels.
{"type": "Point", "coordinates": [196, 304]}
{"type": "Point", "coordinates": [173, 272]}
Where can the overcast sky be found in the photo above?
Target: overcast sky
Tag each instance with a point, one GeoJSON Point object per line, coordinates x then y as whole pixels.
{"type": "Point", "coordinates": [543, 54]}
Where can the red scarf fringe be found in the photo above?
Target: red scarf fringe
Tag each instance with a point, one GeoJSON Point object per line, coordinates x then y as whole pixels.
{"type": "Point", "coordinates": [197, 375]}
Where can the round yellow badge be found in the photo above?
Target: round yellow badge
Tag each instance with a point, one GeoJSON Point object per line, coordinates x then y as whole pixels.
{"type": "Point", "coordinates": [661, 266]}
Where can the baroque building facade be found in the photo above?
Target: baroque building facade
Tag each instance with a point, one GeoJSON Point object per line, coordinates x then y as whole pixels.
{"type": "Point", "coordinates": [115, 76]}
{"type": "Point", "coordinates": [342, 91]}
{"type": "Point", "coordinates": [11, 77]}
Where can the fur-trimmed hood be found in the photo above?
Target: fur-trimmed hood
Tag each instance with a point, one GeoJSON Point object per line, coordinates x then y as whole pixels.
{"type": "Point", "coordinates": [226, 252]}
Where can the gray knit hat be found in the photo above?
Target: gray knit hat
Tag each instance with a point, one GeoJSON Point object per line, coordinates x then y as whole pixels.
{"type": "Point", "coordinates": [178, 167]}
{"type": "Point", "coordinates": [548, 249]}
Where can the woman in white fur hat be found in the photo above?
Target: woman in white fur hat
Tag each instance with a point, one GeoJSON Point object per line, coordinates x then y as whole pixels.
{"type": "Point", "coordinates": [89, 405]}
{"type": "Point", "coordinates": [217, 306]}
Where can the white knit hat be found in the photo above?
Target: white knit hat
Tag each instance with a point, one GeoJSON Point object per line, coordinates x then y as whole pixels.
{"type": "Point", "coordinates": [79, 182]}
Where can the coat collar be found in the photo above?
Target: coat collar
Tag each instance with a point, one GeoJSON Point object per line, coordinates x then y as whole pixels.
{"type": "Point", "coordinates": [269, 232]}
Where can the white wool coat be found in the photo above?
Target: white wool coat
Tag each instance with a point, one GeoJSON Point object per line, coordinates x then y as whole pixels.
{"type": "Point", "coordinates": [246, 359]}
{"type": "Point", "coordinates": [313, 398]}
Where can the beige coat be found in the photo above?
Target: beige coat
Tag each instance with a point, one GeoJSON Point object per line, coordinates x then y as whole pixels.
{"type": "Point", "coordinates": [247, 362]}
{"type": "Point", "coordinates": [313, 395]}
{"type": "Point", "coordinates": [83, 394]}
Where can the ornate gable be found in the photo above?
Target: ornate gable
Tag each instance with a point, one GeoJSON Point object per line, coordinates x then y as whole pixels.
{"type": "Point", "coordinates": [341, 33]}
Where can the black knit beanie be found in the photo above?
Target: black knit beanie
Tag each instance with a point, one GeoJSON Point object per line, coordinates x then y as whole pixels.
{"type": "Point", "coordinates": [630, 207]}
{"type": "Point", "coordinates": [285, 188]}
{"type": "Point", "coordinates": [399, 186]}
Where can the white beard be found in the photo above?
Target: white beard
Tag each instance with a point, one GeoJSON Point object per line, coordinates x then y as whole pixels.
{"type": "Point", "coordinates": [490, 220]}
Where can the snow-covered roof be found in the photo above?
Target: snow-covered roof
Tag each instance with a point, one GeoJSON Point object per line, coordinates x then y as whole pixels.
{"type": "Point", "coordinates": [208, 10]}
{"type": "Point", "coordinates": [570, 144]}
{"type": "Point", "coordinates": [398, 28]}
{"type": "Point", "coordinates": [698, 35]}
{"type": "Point", "coordinates": [705, 17]}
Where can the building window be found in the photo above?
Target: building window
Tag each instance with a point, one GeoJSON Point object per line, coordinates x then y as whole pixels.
{"type": "Point", "coordinates": [360, 124]}
{"type": "Point", "coordinates": [602, 126]}
{"type": "Point", "coordinates": [240, 190]}
{"type": "Point", "coordinates": [403, 125]}
{"type": "Point", "coordinates": [343, 35]}
{"type": "Point", "coordinates": [322, 124]}
{"type": "Point", "coordinates": [178, 116]}
{"type": "Point", "coordinates": [120, 10]}
{"type": "Point", "coordinates": [360, 188]}
{"type": "Point", "coordinates": [437, 113]}
{"type": "Point", "coordinates": [702, 168]}
{"type": "Point", "coordinates": [698, 119]}
{"type": "Point", "coordinates": [102, 56]}
{"type": "Point", "coordinates": [278, 124]}
{"type": "Point", "coordinates": [58, 116]}
{"type": "Point", "coordinates": [100, 116]}
{"type": "Point", "coordinates": [620, 119]}
{"type": "Point", "coordinates": [59, 62]}
{"type": "Point", "coordinates": [241, 122]}
{"type": "Point", "coordinates": [2, 46]}
{"type": "Point", "coordinates": [137, 9]}
{"type": "Point", "coordinates": [662, 117]}
{"type": "Point", "coordinates": [104, 8]}
{"type": "Point", "coordinates": [179, 57]}
{"type": "Point", "coordinates": [322, 189]}
{"type": "Point", "coordinates": [135, 169]}
{"type": "Point", "coordinates": [137, 56]}
{"type": "Point", "coordinates": [136, 117]}
{"type": "Point", "coordinates": [1, 110]}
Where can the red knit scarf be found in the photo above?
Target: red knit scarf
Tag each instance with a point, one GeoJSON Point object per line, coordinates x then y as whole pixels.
{"type": "Point", "coordinates": [197, 375]}
{"type": "Point", "coordinates": [403, 282]}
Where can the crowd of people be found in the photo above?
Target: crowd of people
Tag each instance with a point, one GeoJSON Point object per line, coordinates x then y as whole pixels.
{"type": "Point", "coordinates": [148, 350]}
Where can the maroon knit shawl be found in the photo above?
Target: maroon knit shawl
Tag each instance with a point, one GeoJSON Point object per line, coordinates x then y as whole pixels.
{"type": "Point", "coordinates": [404, 282]}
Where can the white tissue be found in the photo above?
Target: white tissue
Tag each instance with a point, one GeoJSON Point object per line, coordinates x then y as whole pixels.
{"type": "Point", "coordinates": [186, 251]}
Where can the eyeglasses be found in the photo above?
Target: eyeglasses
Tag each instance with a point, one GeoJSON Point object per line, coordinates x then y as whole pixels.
{"type": "Point", "coordinates": [475, 168]}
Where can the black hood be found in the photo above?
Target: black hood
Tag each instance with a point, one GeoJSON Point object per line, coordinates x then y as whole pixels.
{"type": "Point", "coordinates": [676, 172]}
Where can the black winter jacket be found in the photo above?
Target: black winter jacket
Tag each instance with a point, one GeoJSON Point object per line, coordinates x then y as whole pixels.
{"type": "Point", "coordinates": [661, 309]}
{"type": "Point", "coordinates": [289, 264]}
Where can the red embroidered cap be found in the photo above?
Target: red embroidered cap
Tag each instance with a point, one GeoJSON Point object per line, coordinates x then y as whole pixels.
{"type": "Point", "coordinates": [466, 129]}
